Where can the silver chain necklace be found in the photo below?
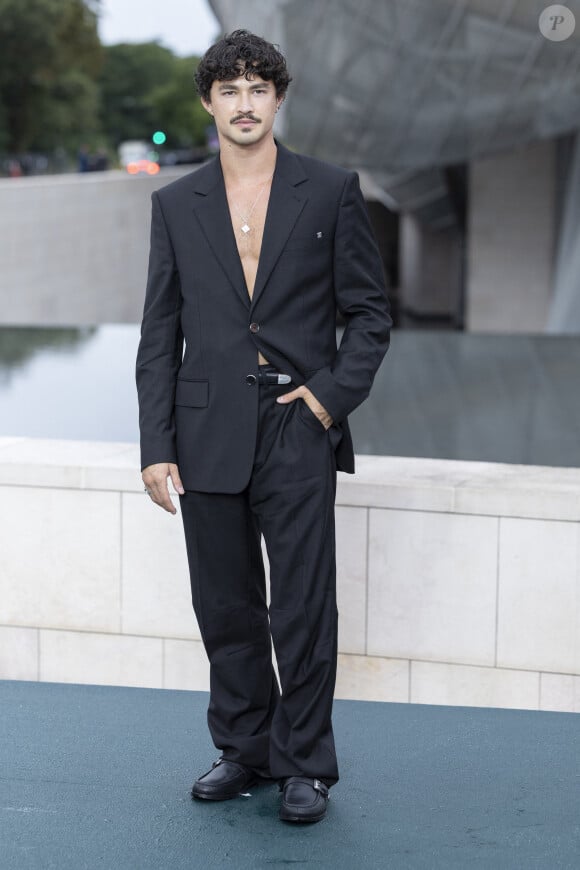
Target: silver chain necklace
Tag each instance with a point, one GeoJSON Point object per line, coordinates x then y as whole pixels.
{"type": "Point", "coordinates": [245, 228]}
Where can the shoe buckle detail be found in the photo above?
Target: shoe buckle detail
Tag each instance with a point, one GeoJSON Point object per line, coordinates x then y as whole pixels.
{"type": "Point", "coordinates": [317, 785]}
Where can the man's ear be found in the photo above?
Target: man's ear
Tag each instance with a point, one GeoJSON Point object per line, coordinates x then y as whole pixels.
{"type": "Point", "coordinates": [207, 106]}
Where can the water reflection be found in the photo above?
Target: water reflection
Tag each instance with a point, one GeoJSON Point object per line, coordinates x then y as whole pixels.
{"type": "Point", "coordinates": [447, 395]}
{"type": "Point", "coordinates": [69, 383]}
{"type": "Point", "coordinates": [496, 398]}
{"type": "Point", "coordinates": [20, 344]}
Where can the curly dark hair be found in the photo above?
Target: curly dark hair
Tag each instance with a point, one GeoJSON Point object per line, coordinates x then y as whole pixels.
{"type": "Point", "coordinates": [242, 53]}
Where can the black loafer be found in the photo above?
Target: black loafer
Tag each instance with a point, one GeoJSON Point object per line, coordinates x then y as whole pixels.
{"type": "Point", "coordinates": [304, 799]}
{"type": "Point", "coordinates": [224, 781]}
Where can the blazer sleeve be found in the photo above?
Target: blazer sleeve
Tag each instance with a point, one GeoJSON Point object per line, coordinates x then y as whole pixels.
{"type": "Point", "coordinates": [361, 297]}
{"type": "Point", "coordinates": [160, 348]}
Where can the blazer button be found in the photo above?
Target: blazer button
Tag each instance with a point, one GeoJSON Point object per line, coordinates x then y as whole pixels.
{"type": "Point", "coordinates": [251, 380]}
{"type": "Point", "coordinates": [254, 327]}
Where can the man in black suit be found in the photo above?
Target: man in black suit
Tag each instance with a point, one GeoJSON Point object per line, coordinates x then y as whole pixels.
{"type": "Point", "coordinates": [251, 255]}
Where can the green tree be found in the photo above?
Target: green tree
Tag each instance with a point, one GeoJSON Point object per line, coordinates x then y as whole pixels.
{"type": "Point", "coordinates": [178, 109]}
{"type": "Point", "coordinates": [4, 138]}
{"type": "Point", "coordinates": [145, 87]}
{"type": "Point", "coordinates": [50, 55]}
{"type": "Point", "coordinates": [129, 76]}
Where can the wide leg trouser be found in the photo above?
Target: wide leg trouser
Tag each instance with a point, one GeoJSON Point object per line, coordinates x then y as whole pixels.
{"type": "Point", "coordinates": [290, 501]}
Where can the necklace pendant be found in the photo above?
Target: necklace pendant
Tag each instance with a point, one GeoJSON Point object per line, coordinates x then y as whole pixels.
{"type": "Point", "coordinates": [246, 228]}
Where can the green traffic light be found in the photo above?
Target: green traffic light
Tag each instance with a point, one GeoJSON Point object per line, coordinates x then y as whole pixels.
{"type": "Point", "coordinates": [159, 137]}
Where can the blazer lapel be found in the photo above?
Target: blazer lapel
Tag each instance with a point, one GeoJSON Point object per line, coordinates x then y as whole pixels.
{"type": "Point", "coordinates": [212, 211]}
{"type": "Point", "coordinates": [284, 208]}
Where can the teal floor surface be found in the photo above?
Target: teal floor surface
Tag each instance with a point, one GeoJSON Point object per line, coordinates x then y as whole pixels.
{"type": "Point", "coordinates": [99, 777]}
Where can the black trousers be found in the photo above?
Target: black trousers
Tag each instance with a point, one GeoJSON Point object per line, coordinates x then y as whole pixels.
{"type": "Point", "coordinates": [279, 730]}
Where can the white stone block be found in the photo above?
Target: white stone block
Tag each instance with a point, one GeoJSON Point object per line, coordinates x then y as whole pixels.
{"type": "Point", "coordinates": [120, 471]}
{"type": "Point", "coordinates": [370, 678]}
{"type": "Point", "coordinates": [8, 442]}
{"type": "Point", "coordinates": [538, 492]}
{"type": "Point", "coordinates": [444, 485]}
{"type": "Point", "coordinates": [432, 586]}
{"type": "Point", "coordinates": [539, 595]}
{"type": "Point", "coordinates": [560, 692]}
{"type": "Point", "coordinates": [351, 569]}
{"type": "Point", "coordinates": [398, 482]}
{"type": "Point", "coordinates": [60, 558]}
{"type": "Point", "coordinates": [69, 464]}
{"type": "Point", "coordinates": [18, 653]}
{"type": "Point", "coordinates": [466, 685]}
{"type": "Point", "coordinates": [156, 587]}
{"type": "Point", "coordinates": [185, 665]}
{"type": "Point", "coordinates": [102, 659]}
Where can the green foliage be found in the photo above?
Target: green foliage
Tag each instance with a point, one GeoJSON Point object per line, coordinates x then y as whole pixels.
{"type": "Point", "coordinates": [3, 129]}
{"type": "Point", "coordinates": [59, 87]}
{"type": "Point", "coordinates": [49, 56]}
{"type": "Point", "coordinates": [18, 344]}
{"type": "Point", "coordinates": [145, 87]}
{"type": "Point", "coordinates": [129, 75]}
{"type": "Point", "coordinates": [178, 110]}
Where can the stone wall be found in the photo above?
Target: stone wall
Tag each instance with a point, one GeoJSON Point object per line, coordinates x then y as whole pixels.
{"type": "Point", "coordinates": [459, 582]}
{"type": "Point", "coordinates": [75, 247]}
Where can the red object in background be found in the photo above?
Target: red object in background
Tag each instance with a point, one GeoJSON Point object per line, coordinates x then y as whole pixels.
{"type": "Point", "coordinates": [148, 166]}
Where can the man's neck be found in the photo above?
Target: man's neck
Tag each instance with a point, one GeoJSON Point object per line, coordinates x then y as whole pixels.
{"type": "Point", "coordinates": [245, 165]}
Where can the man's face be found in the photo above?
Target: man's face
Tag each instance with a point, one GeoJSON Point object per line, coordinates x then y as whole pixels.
{"type": "Point", "coordinates": [243, 109]}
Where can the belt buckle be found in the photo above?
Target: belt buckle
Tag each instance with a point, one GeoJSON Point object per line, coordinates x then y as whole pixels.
{"type": "Point", "coordinates": [279, 378]}
{"type": "Point", "coordinates": [276, 378]}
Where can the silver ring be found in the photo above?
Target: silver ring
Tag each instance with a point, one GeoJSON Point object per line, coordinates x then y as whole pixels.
{"type": "Point", "coordinates": [147, 490]}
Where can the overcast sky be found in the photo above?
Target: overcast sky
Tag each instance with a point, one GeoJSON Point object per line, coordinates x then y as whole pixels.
{"type": "Point", "coordinates": [185, 26]}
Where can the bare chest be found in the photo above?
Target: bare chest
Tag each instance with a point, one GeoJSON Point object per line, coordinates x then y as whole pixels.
{"type": "Point", "coordinates": [248, 217]}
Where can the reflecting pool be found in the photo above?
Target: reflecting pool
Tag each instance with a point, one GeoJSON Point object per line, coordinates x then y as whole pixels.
{"type": "Point", "coordinates": [69, 383]}
{"type": "Point", "coordinates": [499, 398]}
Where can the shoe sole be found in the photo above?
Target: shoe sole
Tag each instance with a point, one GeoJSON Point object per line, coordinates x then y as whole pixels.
{"type": "Point", "coordinates": [287, 817]}
{"type": "Point", "coordinates": [213, 797]}
{"type": "Point", "coordinates": [221, 796]}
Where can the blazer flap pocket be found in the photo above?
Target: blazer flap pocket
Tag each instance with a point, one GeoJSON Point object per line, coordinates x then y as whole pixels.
{"type": "Point", "coordinates": [192, 394]}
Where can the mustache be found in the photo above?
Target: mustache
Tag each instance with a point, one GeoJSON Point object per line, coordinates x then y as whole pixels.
{"type": "Point", "coordinates": [245, 118]}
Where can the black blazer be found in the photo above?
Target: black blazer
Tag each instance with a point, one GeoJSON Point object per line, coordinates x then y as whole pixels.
{"type": "Point", "coordinates": [196, 407]}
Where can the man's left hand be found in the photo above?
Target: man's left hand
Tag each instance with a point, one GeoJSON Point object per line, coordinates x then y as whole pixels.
{"type": "Point", "coordinates": [317, 409]}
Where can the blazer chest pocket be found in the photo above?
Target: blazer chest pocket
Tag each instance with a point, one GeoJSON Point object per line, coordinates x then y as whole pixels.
{"type": "Point", "coordinates": [192, 394]}
{"type": "Point", "coordinates": [309, 242]}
